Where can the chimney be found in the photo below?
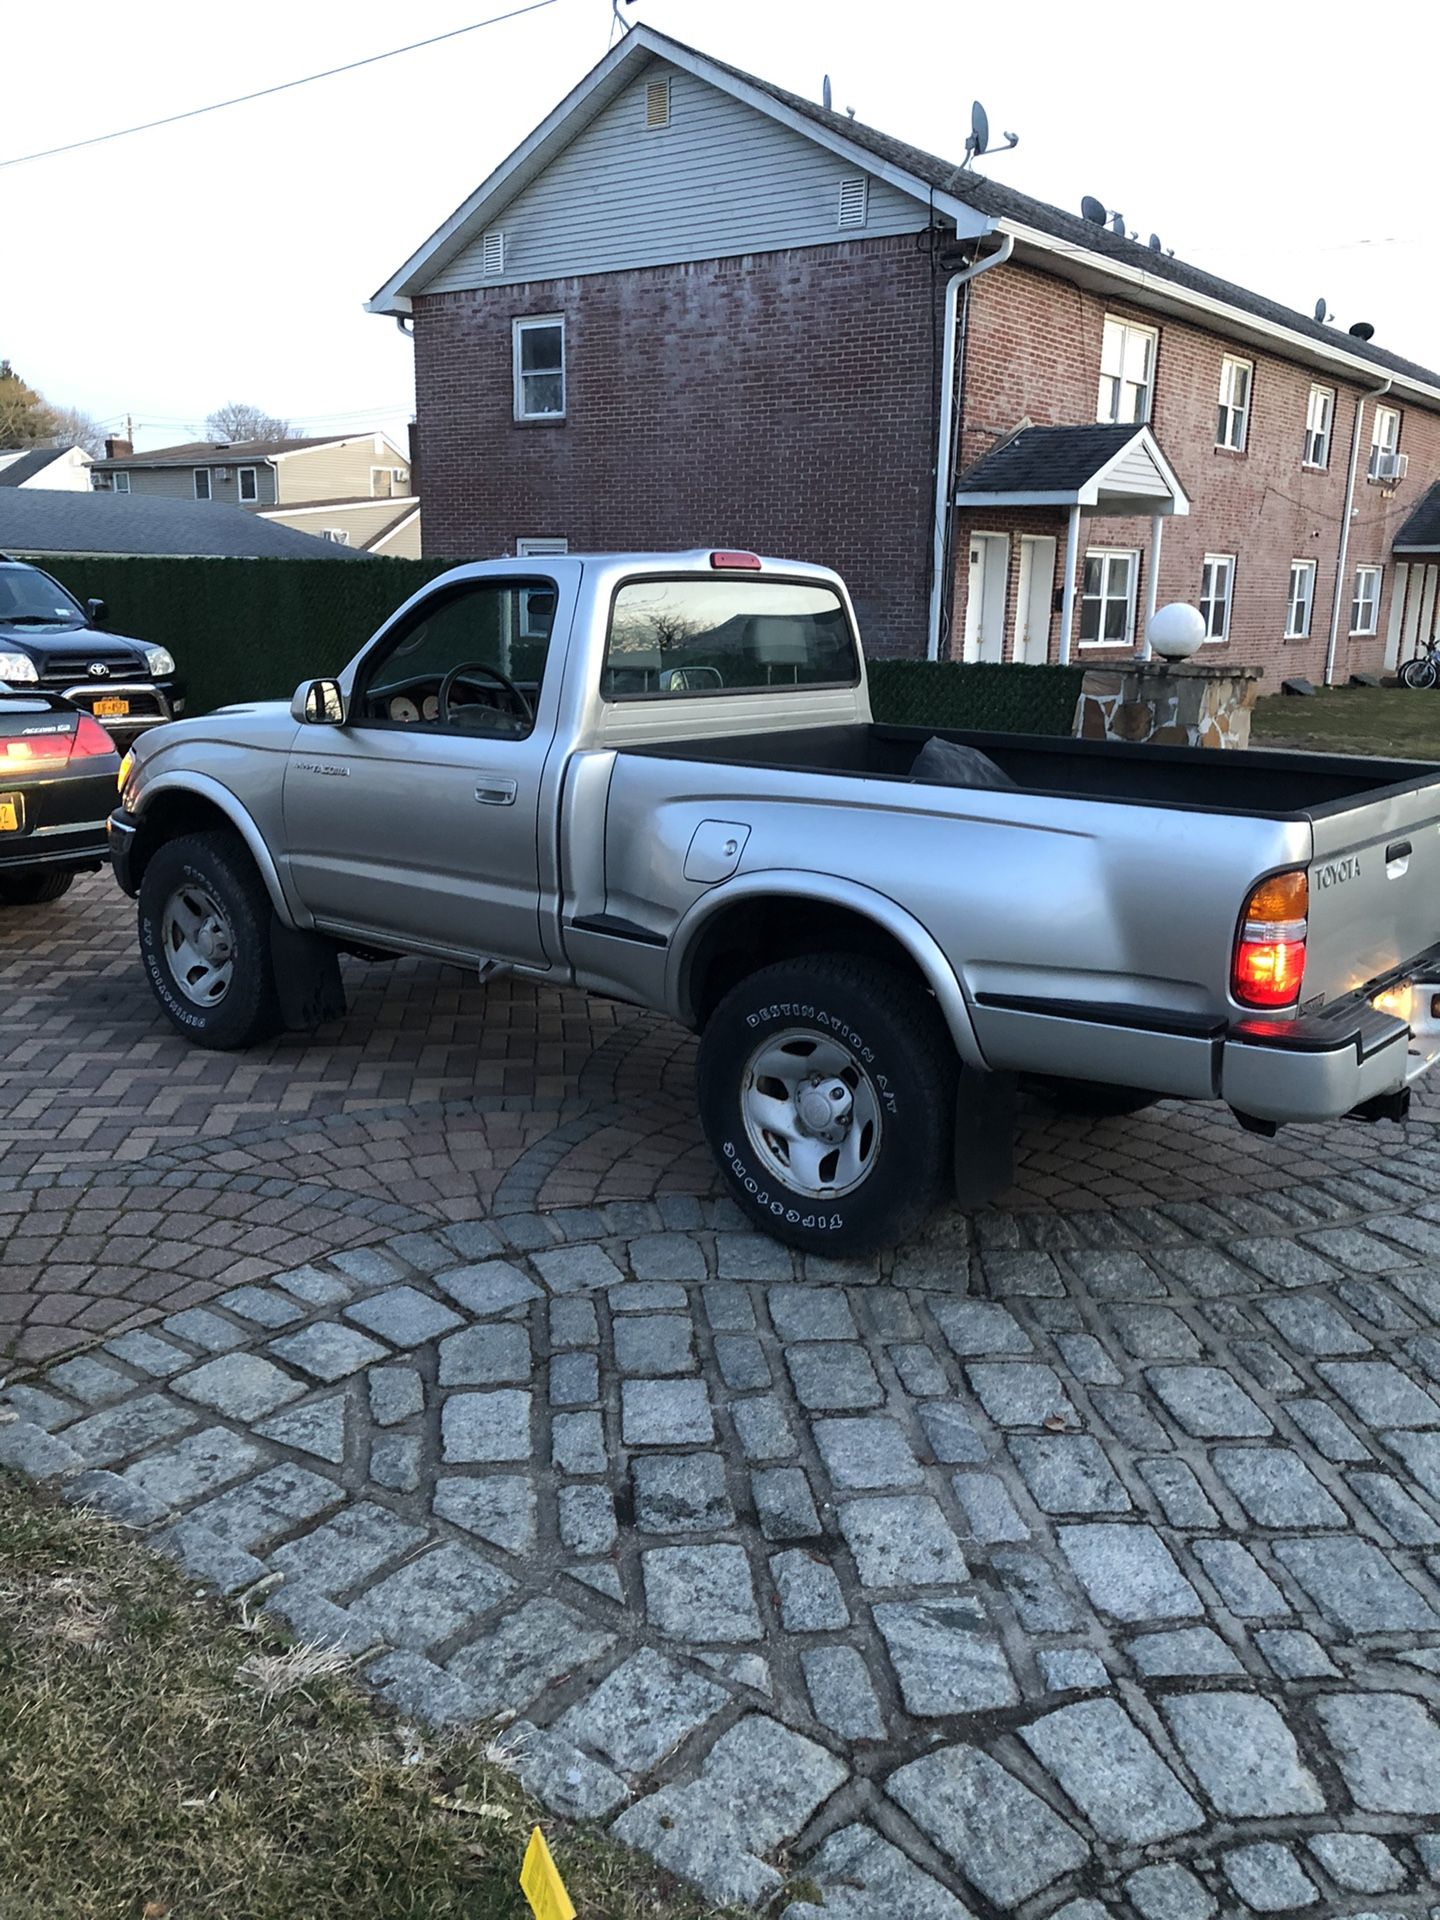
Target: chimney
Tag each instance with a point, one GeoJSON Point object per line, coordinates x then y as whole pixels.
{"type": "Point", "coordinates": [415, 458]}
{"type": "Point", "coordinates": [118, 449]}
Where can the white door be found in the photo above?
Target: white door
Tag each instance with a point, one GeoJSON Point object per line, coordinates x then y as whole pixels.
{"type": "Point", "coordinates": [985, 601]}
{"type": "Point", "coordinates": [1034, 601]}
{"type": "Point", "coordinates": [1397, 613]}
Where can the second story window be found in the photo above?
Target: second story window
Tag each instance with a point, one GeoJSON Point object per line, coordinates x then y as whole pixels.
{"type": "Point", "coordinates": [539, 368]}
{"type": "Point", "coordinates": [249, 486]}
{"type": "Point", "coordinates": [202, 483]}
{"type": "Point", "coordinates": [1127, 371]}
{"type": "Point", "coordinates": [1384, 443]}
{"type": "Point", "coordinates": [1319, 418]}
{"type": "Point", "coordinates": [1232, 419]}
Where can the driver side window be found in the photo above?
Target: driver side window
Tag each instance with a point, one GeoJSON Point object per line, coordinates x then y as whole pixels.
{"type": "Point", "coordinates": [469, 661]}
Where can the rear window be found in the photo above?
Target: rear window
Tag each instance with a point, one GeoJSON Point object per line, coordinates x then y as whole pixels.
{"type": "Point", "coordinates": [697, 635]}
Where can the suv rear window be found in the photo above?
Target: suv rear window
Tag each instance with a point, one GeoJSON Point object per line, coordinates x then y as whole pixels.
{"type": "Point", "coordinates": [697, 635]}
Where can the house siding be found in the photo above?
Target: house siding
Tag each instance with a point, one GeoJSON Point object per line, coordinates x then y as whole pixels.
{"type": "Point", "coordinates": [338, 472]}
{"type": "Point", "coordinates": [720, 180]}
{"type": "Point", "coordinates": [178, 483]}
{"type": "Point", "coordinates": [362, 520]}
{"type": "Point", "coordinates": [782, 401]}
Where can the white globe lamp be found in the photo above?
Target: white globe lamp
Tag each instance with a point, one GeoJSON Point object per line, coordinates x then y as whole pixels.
{"type": "Point", "coordinates": [1176, 631]}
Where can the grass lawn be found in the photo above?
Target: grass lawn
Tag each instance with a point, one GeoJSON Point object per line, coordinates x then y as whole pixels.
{"type": "Point", "coordinates": [1366, 720]}
{"type": "Point", "coordinates": [159, 1756]}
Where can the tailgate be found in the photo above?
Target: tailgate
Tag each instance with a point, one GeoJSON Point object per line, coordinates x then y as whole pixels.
{"type": "Point", "coordinates": [1374, 889]}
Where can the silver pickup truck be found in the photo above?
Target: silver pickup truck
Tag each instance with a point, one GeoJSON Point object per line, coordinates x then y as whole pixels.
{"type": "Point", "coordinates": [656, 777]}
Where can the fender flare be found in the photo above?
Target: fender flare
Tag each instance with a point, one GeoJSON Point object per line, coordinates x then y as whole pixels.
{"type": "Point", "coordinates": [205, 787]}
{"type": "Point", "coordinates": [834, 891]}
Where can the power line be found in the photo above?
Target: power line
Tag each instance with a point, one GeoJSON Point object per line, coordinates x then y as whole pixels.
{"type": "Point", "coordinates": [284, 86]}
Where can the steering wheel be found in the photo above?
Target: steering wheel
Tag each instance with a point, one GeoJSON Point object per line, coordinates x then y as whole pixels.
{"type": "Point", "coordinates": [468, 668]}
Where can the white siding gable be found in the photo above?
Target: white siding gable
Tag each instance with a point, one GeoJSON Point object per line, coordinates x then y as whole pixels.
{"type": "Point", "coordinates": [1137, 473]}
{"type": "Point", "coordinates": [719, 179]}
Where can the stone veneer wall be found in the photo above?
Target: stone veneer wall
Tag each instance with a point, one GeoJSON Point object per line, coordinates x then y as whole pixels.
{"type": "Point", "coordinates": [1167, 704]}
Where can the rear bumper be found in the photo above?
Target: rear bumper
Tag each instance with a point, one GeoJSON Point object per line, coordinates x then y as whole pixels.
{"type": "Point", "coordinates": [67, 848]}
{"type": "Point", "coordinates": [152, 703]}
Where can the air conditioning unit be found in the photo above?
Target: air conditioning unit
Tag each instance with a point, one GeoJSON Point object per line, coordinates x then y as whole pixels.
{"type": "Point", "coordinates": [1388, 468]}
{"type": "Point", "coordinates": [222, 473]}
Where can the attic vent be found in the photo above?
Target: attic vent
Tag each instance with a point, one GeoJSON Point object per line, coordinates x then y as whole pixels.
{"type": "Point", "coordinates": [492, 252]}
{"type": "Point", "coordinates": [854, 200]}
{"type": "Point", "coordinates": [657, 103]}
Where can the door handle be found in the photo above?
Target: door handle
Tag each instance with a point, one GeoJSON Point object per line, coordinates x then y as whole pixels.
{"type": "Point", "coordinates": [495, 791]}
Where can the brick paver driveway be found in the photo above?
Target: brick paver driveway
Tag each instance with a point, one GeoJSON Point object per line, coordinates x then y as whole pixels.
{"type": "Point", "coordinates": [1082, 1558]}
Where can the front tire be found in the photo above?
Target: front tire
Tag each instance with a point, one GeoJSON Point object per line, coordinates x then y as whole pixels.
{"type": "Point", "coordinates": [827, 1094]}
{"type": "Point", "coordinates": [1419, 675]}
{"type": "Point", "coordinates": [35, 889]}
{"type": "Point", "coordinates": [204, 926]}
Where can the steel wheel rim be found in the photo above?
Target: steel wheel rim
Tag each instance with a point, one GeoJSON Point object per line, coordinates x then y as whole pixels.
{"type": "Point", "coordinates": [811, 1113]}
{"type": "Point", "coordinates": [199, 945]}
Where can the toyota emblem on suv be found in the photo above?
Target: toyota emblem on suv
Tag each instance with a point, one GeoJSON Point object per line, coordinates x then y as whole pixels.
{"type": "Point", "coordinates": [99, 670]}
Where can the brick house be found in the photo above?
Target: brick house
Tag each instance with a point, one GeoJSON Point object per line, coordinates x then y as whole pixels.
{"type": "Point", "coordinates": [693, 308]}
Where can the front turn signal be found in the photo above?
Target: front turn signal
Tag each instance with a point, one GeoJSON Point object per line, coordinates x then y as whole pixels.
{"type": "Point", "coordinates": [1269, 964]}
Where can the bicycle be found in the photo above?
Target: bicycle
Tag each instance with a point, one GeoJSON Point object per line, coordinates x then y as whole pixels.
{"type": "Point", "coordinates": [1424, 670]}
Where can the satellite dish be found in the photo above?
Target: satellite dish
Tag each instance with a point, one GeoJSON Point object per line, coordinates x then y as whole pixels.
{"type": "Point", "coordinates": [1117, 224]}
{"type": "Point", "coordinates": [1155, 243]}
{"type": "Point", "coordinates": [1320, 311]}
{"type": "Point", "coordinates": [1363, 330]}
{"type": "Point", "coordinates": [1092, 210]}
{"type": "Point", "coordinates": [979, 129]}
{"type": "Point", "coordinates": [825, 94]}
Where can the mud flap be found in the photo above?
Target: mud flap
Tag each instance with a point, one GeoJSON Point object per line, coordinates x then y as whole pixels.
{"type": "Point", "coordinates": [985, 1110]}
{"type": "Point", "coordinates": [307, 977]}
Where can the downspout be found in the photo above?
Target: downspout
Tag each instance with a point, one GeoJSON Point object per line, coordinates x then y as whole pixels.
{"type": "Point", "coordinates": [1373, 393]}
{"type": "Point", "coordinates": [945, 438]}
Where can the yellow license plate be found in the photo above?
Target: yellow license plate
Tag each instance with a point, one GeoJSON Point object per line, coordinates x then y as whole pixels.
{"type": "Point", "coordinates": [10, 815]}
{"type": "Point", "coordinates": [110, 709]}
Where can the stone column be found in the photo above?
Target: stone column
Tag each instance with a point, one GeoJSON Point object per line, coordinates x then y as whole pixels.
{"type": "Point", "coordinates": [1168, 704]}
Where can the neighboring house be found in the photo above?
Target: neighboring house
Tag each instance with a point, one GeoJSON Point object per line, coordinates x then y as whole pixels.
{"type": "Point", "coordinates": [692, 309]}
{"type": "Point", "coordinates": [58, 469]}
{"type": "Point", "coordinates": [351, 489]}
{"type": "Point", "coordinates": [39, 523]}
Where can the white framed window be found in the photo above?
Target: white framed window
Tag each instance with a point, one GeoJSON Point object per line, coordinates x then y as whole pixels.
{"type": "Point", "coordinates": [1319, 421]}
{"type": "Point", "coordinates": [539, 367]}
{"type": "Point", "coordinates": [1365, 601]}
{"type": "Point", "coordinates": [1232, 417]}
{"type": "Point", "coordinates": [1217, 590]}
{"type": "Point", "coordinates": [657, 103]}
{"type": "Point", "coordinates": [537, 619]}
{"type": "Point", "coordinates": [249, 485]}
{"type": "Point", "coordinates": [338, 536]}
{"type": "Point", "coordinates": [1107, 597]}
{"type": "Point", "coordinates": [1384, 441]}
{"type": "Point", "coordinates": [1127, 371]}
{"type": "Point", "coordinates": [202, 483]}
{"type": "Point", "coordinates": [854, 206]}
{"type": "Point", "coordinates": [1301, 600]}
{"type": "Point", "coordinates": [492, 252]}
{"type": "Point", "coordinates": [121, 482]}
{"type": "Point", "coordinates": [386, 482]}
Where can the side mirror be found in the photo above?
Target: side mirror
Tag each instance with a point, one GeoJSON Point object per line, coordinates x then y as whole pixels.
{"type": "Point", "coordinates": [99, 613]}
{"type": "Point", "coordinates": [319, 703]}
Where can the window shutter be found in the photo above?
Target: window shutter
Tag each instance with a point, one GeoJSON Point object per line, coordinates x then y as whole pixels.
{"type": "Point", "coordinates": [657, 103]}
{"type": "Point", "coordinates": [492, 252]}
{"type": "Point", "coordinates": [854, 200]}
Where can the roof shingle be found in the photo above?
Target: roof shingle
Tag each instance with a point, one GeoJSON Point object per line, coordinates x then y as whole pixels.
{"type": "Point", "coordinates": [39, 520]}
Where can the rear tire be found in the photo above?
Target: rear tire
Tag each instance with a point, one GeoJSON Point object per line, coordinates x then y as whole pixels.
{"type": "Point", "coordinates": [1419, 675]}
{"type": "Point", "coordinates": [827, 1094]}
{"type": "Point", "coordinates": [35, 889]}
{"type": "Point", "coordinates": [204, 924]}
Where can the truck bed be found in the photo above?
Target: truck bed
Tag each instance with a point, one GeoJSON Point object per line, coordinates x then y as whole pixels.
{"type": "Point", "coordinates": [1267, 784]}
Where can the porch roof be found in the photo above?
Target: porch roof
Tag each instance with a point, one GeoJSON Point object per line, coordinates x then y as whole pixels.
{"type": "Point", "coordinates": [1421, 532]}
{"type": "Point", "coordinates": [1103, 469]}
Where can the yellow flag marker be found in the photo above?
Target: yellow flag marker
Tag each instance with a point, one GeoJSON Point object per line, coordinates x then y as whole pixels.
{"type": "Point", "coordinates": [541, 1884]}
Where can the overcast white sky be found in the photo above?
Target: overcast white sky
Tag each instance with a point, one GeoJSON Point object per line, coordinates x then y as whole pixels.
{"type": "Point", "coordinates": [229, 257]}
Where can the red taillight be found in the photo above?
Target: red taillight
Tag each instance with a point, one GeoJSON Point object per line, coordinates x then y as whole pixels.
{"type": "Point", "coordinates": [745, 562]}
{"type": "Point", "coordinates": [91, 737]}
{"type": "Point", "coordinates": [1269, 964]}
{"type": "Point", "coordinates": [34, 749]}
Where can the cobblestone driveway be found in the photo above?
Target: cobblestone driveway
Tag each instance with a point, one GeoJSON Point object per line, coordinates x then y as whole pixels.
{"type": "Point", "coordinates": [1086, 1559]}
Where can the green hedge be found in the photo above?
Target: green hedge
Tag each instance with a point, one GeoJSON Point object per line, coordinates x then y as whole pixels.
{"type": "Point", "coordinates": [254, 629]}
{"type": "Point", "coordinates": [247, 629]}
{"type": "Point", "coordinates": [984, 698]}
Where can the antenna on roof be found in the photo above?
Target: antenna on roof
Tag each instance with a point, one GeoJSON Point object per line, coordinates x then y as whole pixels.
{"type": "Point", "coordinates": [1117, 224]}
{"type": "Point", "coordinates": [825, 94]}
{"type": "Point", "coordinates": [1155, 243]}
{"type": "Point", "coordinates": [1322, 313]}
{"type": "Point", "coordinates": [978, 141]}
{"type": "Point", "coordinates": [1092, 210]}
{"type": "Point", "coordinates": [1362, 330]}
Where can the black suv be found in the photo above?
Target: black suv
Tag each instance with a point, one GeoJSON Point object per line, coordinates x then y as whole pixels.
{"type": "Point", "coordinates": [48, 639]}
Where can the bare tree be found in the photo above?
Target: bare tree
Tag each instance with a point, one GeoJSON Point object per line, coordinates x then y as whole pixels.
{"type": "Point", "coordinates": [76, 428]}
{"type": "Point", "coordinates": [25, 419]}
{"type": "Point", "coordinates": [238, 421]}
